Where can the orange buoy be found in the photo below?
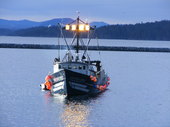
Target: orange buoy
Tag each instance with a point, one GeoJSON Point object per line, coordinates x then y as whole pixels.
{"type": "Point", "coordinates": [91, 77]}
{"type": "Point", "coordinates": [94, 79]}
{"type": "Point", "coordinates": [100, 87]}
{"type": "Point", "coordinates": [48, 85]}
{"type": "Point", "coordinates": [48, 77]}
{"type": "Point", "coordinates": [104, 86]}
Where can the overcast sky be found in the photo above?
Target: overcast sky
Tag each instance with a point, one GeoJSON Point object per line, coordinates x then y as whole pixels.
{"type": "Point", "coordinates": [111, 11]}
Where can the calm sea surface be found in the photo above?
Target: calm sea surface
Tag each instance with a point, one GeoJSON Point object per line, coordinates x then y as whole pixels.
{"type": "Point", "coordinates": [139, 94]}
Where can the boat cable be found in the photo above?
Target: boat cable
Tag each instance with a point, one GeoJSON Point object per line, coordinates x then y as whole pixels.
{"type": "Point", "coordinates": [73, 39]}
{"type": "Point", "coordinates": [85, 48]}
{"type": "Point", "coordinates": [59, 47]}
{"type": "Point", "coordinates": [68, 47]}
{"type": "Point", "coordinates": [88, 42]}
{"type": "Point", "coordinates": [98, 48]}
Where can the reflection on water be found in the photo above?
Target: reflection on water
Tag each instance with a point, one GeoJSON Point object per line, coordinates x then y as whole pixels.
{"type": "Point", "coordinates": [75, 115]}
{"type": "Point", "coordinates": [76, 110]}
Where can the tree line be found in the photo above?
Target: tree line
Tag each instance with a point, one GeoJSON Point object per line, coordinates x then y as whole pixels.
{"type": "Point", "coordinates": [159, 30]}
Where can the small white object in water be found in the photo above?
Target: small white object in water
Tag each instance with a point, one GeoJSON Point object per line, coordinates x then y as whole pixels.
{"type": "Point", "coordinates": [42, 86]}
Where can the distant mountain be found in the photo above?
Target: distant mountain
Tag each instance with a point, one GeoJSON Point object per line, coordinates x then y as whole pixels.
{"type": "Point", "coordinates": [41, 31]}
{"type": "Point", "coordinates": [98, 24]}
{"type": "Point", "coordinates": [14, 24]}
{"type": "Point", "coordinates": [56, 21]}
{"type": "Point", "coordinates": [23, 24]}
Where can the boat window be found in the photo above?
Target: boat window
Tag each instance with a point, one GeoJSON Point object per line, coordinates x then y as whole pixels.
{"type": "Point", "coordinates": [60, 67]}
{"type": "Point", "coordinates": [69, 67]}
{"type": "Point", "coordinates": [84, 67]}
{"type": "Point", "coordinates": [80, 67]}
{"type": "Point", "coordinates": [74, 67]}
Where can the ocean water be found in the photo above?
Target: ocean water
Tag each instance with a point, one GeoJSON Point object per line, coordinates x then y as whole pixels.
{"type": "Point", "coordinates": [138, 96]}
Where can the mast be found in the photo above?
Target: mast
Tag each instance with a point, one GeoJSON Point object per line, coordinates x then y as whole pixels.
{"type": "Point", "coordinates": [78, 37]}
{"type": "Point", "coordinates": [79, 27]}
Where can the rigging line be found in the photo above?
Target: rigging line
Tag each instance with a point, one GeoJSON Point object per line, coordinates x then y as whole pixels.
{"type": "Point", "coordinates": [74, 37]}
{"type": "Point", "coordinates": [84, 48]}
{"type": "Point", "coordinates": [64, 38]}
{"type": "Point", "coordinates": [69, 50]}
{"type": "Point", "coordinates": [72, 22]}
{"type": "Point", "coordinates": [59, 48]}
{"type": "Point", "coordinates": [98, 48]}
{"type": "Point", "coordinates": [85, 51]}
{"type": "Point", "coordinates": [82, 43]}
{"type": "Point", "coordinates": [59, 41]}
{"type": "Point", "coordinates": [95, 35]}
{"type": "Point", "coordinates": [83, 21]}
{"type": "Point", "coordinates": [87, 44]}
{"type": "Point", "coordinates": [65, 56]}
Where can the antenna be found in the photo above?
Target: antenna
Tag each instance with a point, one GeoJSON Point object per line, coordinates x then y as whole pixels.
{"type": "Point", "coordinates": [78, 13]}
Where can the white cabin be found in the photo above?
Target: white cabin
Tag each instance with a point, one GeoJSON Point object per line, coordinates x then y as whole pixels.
{"type": "Point", "coordinates": [79, 67]}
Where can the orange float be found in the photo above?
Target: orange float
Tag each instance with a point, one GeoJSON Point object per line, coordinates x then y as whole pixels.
{"type": "Point", "coordinates": [48, 85]}
{"type": "Point", "coordinates": [48, 77]}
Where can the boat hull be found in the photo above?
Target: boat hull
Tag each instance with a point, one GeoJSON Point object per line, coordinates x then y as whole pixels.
{"type": "Point", "coordinates": [73, 84]}
{"type": "Point", "coordinates": [79, 84]}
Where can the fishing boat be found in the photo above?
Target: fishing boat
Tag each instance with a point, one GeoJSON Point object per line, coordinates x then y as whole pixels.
{"type": "Point", "coordinates": [76, 74]}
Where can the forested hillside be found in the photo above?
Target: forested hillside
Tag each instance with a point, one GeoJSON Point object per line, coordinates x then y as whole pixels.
{"type": "Point", "coordinates": [141, 31]}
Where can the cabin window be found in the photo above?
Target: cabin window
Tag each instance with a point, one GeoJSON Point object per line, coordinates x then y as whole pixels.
{"type": "Point", "coordinates": [80, 67]}
{"type": "Point", "coordinates": [60, 67]}
{"type": "Point", "coordinates": [69, 67]}
{"type": "Point", "coordinates": [84, 67]}
{"type": "Point", "coordinates": [74, 67]}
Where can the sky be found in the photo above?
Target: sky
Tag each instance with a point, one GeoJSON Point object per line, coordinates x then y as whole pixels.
{"type": "Point", "coordinates": [110, 11]}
